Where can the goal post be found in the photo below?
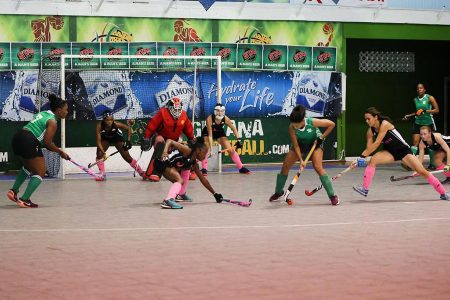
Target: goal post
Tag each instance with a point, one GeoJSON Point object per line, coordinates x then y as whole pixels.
{"type": "Point", "coordinates": [139, 79]}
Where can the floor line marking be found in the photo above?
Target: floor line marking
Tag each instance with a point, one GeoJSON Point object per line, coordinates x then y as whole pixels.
{"type": "Point", "coordinates": [224, 227]}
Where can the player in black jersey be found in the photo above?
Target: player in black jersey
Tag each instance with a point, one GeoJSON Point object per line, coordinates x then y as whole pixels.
{"type": "Point", "coordinates": [382, 132]}
{"type": "Point", "coordinates": [110, 132]}
{"type": "Point", "coordinates": [439, 144]}
{"type": "Point", "coordinates": [176, 167]}
{"type": "Point", "coordinates": [214, 130]}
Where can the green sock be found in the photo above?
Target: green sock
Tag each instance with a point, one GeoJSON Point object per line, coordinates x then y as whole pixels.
{"type": "Point", "coordinates": [414, 150]}
{"type": "Point", "coordinates": [20, 179]}
{"type": "Point", "coordinates": [431, 154]}
{"type": "Point", "coordinates": [326, 182]}
{"type": "Point", "coordinates": [281, 180]}
{"type": "Point", "coordinates": [34, 183]}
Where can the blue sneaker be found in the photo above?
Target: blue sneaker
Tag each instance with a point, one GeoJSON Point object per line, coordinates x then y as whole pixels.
{"type": "Point", "coordinates": [360, 189]}
{"type": "Point", "coordinates": [183, 198]}
{"type": "Point", "coordinates": [445, 196]}
{"type": "Point", "coordinates": [170, 203]}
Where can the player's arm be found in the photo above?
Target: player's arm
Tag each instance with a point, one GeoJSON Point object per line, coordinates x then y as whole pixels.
{"type": "Point", "coordinates": [421, 151]}
{"type": "Point", "coordinates": [209, 121]}
{"type": "Point", "coordinates": [295, 142]}
{"type": "Point", "coordinates": [184, 150]}
{"type": "Point", "coordinates": [324, 123]}
{"type": "Point", "coordinates": [434, 105]}
{"type": "Point", "coordinates": [232, 127]}
{"type": "Point", "coordinates": [125, 127]}
{"type": "Point", "coordinates": [443, 144]}
{"type": "Point", "coordinates": [153, 124]}
{"type": "Point", "coordinates": [203, 179]}
{"type": "Point", "coordinates": [372, 146]}
{"type": "Point", "coordinates": [52, 126]}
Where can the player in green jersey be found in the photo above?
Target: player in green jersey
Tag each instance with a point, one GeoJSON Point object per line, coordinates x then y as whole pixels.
{"type": "Point", "coordinates": [27, 143]}
{"type": "Point", "coordinates": [426, 107]}
{"type": "Point", "coordinates": [303, 132]}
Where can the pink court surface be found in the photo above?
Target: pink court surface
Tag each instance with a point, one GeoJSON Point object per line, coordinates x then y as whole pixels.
{"type": "Point", "coordinates": [111, 240]}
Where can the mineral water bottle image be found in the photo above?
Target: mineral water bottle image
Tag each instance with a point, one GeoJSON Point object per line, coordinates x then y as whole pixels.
{"type": "Point", "coordinates": [313, 93]}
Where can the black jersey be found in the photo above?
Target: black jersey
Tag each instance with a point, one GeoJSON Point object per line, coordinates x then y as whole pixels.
{"type": "Point", "coordinates": [177, 160]}
{"type": "Point", "coordinates": [112, 134]}
{"type": "Point", "coordinates": [434, 144]}
{"type": "Point", "coordinates": [218, 130]}
{"type": "Point", "coordinates": [393, 142]}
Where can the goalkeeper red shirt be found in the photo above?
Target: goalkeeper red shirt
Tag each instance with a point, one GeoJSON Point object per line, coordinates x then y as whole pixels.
{"type": "Point", "coordinates": [165, 125]}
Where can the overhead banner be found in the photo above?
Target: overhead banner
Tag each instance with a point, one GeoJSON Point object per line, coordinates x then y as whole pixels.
{"type": "Point", "coordinates": [133, 94]}
{"type": "Point", "coordinates": [351, 3]}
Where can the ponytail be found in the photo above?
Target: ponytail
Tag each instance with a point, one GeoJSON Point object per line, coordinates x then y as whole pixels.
{"type": "Point", "coordinates": [375, 112]}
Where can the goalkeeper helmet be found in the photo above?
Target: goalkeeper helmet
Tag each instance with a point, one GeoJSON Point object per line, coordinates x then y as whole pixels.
{"type": "Point", "coordinates": [219, 111]}
{"type": "Point", "coordinates": [175, 107]}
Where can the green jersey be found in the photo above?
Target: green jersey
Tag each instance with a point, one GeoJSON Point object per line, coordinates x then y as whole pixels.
{"type": "Point", "coordinates": [308, 134]}
{"type": "Point", "coordinates": [423, 103]}
{"type": "Point", "coordinates": [38, 125]}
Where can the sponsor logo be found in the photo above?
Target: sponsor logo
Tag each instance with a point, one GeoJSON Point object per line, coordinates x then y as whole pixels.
{"type": "Point", "coordinates": [177, 87]}
{"type": "Point", "coordinates": [114, 34]}
{"type": "Point", "coordinates": [86, 51]}
{"type": "Point", "coordinates": [170, 52]}
{"type": "Point", "coordinates": [324, 57]}
{"type": "Point", "coordinates": [55, 53]}
{"type": "Point", "coordinates": [114, 51]}
{"type": "Point", "coordinates": [143, 51]}
{"type": "Point", "coordinates": [25, 54]}
{"type": "Point", "coordinates": [2, 54]}
{"type": "Point", "coordinates": [252, 35]}
{"type": "Point", "coordinates": [275, 55]}
{"type": "Point", "coordinates": [249, 54]}
{"type": "Point", "coordinates": [107, 93]}
{"type": "Point", "coordinates": [225, 53]}
{"type": "Point", "coordinates": [198, 52]}
{"type": "Point", "coordinates": [299, 56]}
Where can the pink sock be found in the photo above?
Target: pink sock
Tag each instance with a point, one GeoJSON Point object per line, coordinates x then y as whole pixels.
{"type": "Point", "coordinates": [237, 160]}
{"type": "Point", "coordinates": [185, 175]}
{"type": "Point", "coordinates": [101, 166]}
{"type": "Point", "coordinates": [174, 190]}
{"type": "Point", "coordinates": [441, 167]}
{"type": "Point", "coordinates": [205, 163]}
{"type": "Point", "coordinates": [436, 184]}
{"type": "Point", "coordinates": [134, 165]}
{"type": "Point", "coordinates": [368, 176]}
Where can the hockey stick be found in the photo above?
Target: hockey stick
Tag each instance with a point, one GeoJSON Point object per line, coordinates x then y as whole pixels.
{"type": "Point", "coordinates": [135, 167]}
{"type": "Point", "coordinates": [392, 178]}
{"type": "Point", "coordinates": [318, 188]}
{"type": "Point", "coordinates": [103, 159]}
{"type": "Point", "coordinates": [294, 181]}
{"type": "Point", "coordinates": [240, 203]}
{"type": "Point", "coordinates": [222, 151]}
{"type": "Point", "coordinates": [90, 172]}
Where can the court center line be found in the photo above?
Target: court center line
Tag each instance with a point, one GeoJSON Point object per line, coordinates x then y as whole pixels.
{"type": "Point", "coordinates": [223, 227]}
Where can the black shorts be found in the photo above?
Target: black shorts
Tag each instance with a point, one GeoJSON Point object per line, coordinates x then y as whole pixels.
{"type": "Point", "coordinates": [399, 154]}
{"type": "Point", "coordinates": [26, 145]}
{"type": "Point", "coordinates": [217, 134]}
{"type": "Point", "coordinates": [416, 127]}
{"type": "Point", "coordinates": [113, 139]}
{"type": "Point", "coordinates": [304, 149]}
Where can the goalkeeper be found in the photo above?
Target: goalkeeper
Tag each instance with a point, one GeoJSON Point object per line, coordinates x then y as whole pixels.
{"type": "Point", "coordinates": [168, 123]}
{"type": "Point", "coordinates": [214, 130]}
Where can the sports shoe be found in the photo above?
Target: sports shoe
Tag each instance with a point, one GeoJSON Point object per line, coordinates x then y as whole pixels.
{"type": "Point", "coordinates": [334, 200]}
{"type": "Point", "coordinates": [445, 196]}
{"type": "Point", "coordinates": [100, 178]}
{"type": "Point", "coordinates": [204, 172]}
{"type": "Point", "coordinates": [183, 198]}
{"type": "Point", "coordinates": [192, 176]}
{"type": "Point", "coordinates": [360, 189]}
{"type": "Point", "coordinates": [446, 181]}
{"type": "Point", "coordinates": [275, 197]}
{"type": "Point", "coordinates": [12, 196]}
{"type": "Point", "coordinates": [26, 203]}
{"type": "Point", "coordinates": [170, 203]}
{"type": "Point", "coordinates": [154, 178]}
{"type": "Point", "coordinates": [244, 170]}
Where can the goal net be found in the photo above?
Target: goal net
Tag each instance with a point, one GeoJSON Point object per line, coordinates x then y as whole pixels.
{"type": "Point", "coordinates": [131, 87]}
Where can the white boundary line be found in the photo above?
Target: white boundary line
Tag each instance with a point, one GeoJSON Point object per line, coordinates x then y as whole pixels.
{"type": "Point", "coordinates": [222, 227]}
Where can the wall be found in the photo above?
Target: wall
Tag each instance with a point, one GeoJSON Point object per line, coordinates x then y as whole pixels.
{"type": "Point", "coordinates": [392, 92]}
